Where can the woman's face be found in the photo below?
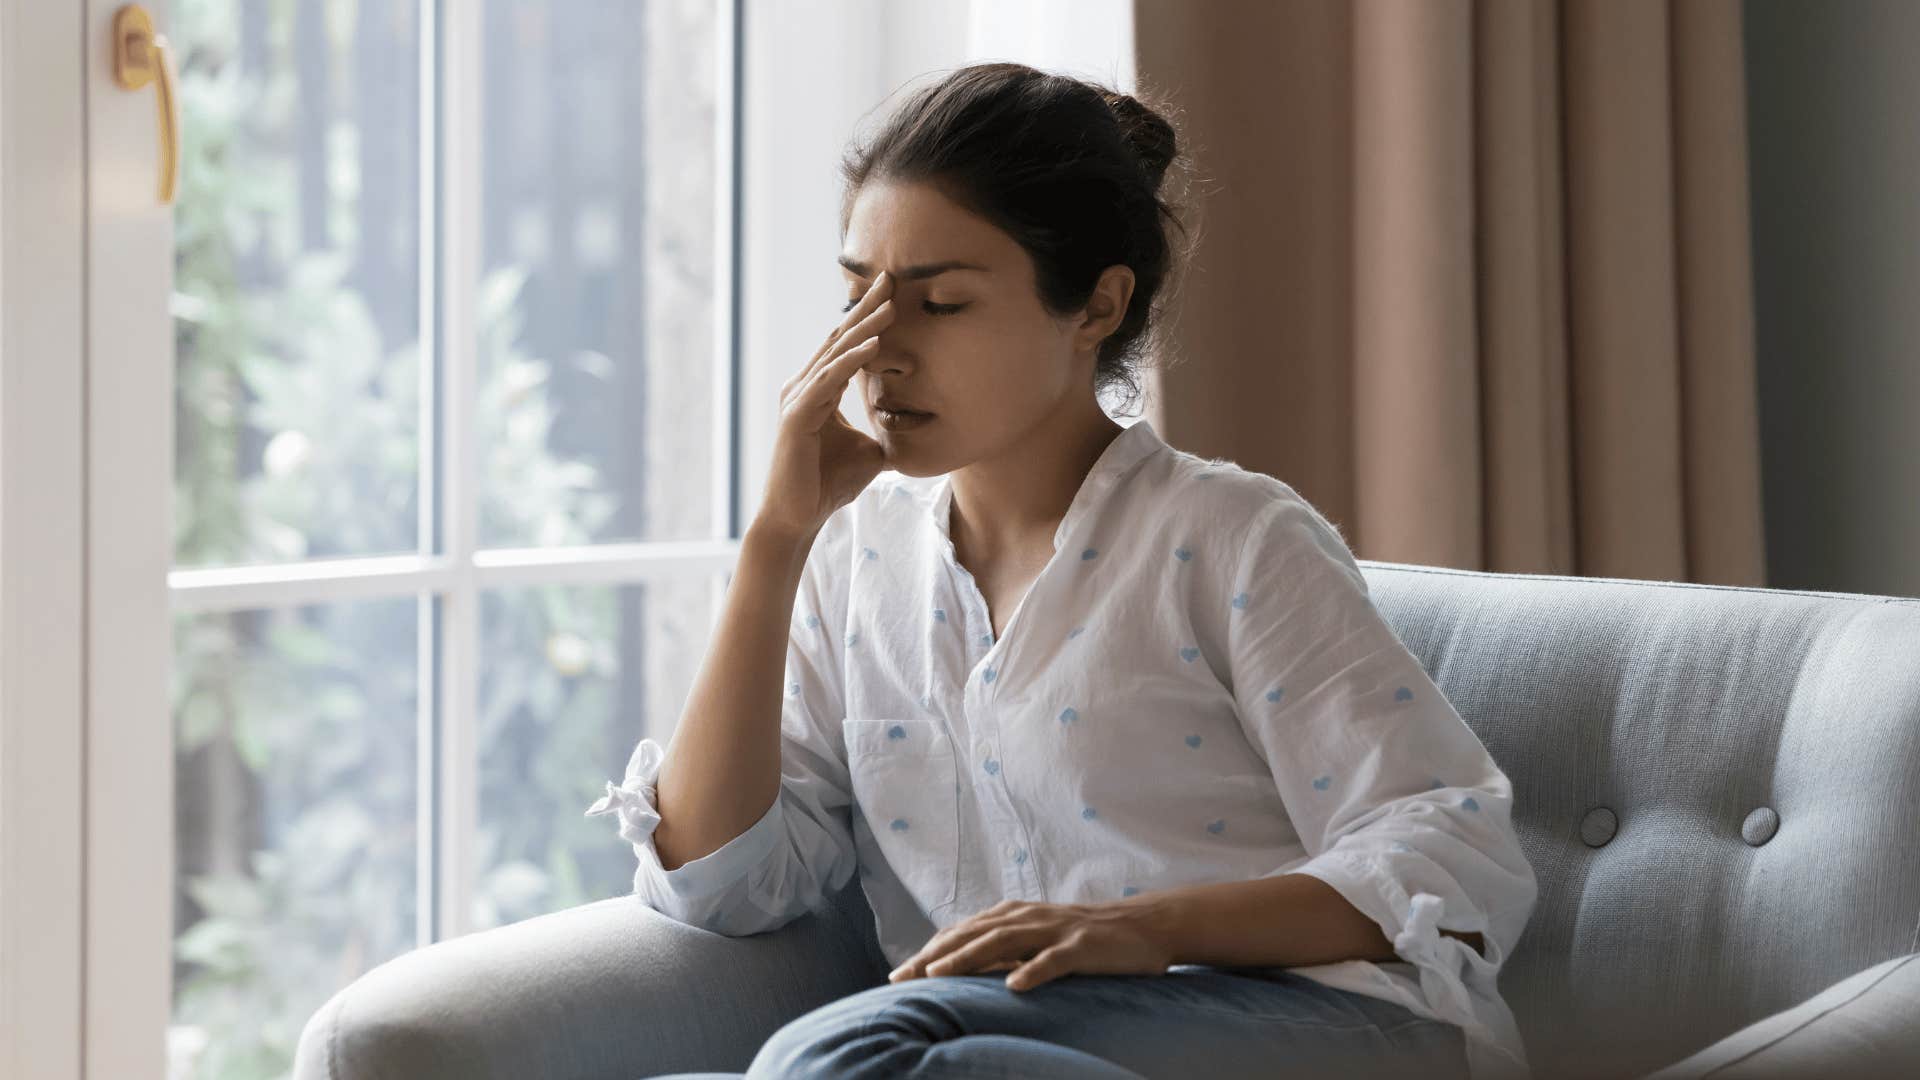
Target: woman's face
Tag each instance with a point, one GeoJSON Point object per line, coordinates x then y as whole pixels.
{"type": "Point", "coordinates": [969, 341]}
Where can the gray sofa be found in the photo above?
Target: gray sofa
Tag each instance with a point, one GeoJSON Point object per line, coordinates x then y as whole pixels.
{"type": "Point", "coordinates": [1719, 790]}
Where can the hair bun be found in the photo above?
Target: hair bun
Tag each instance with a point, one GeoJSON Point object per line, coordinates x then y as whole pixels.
{"type": "Point", "coordinates": [1147, 133]}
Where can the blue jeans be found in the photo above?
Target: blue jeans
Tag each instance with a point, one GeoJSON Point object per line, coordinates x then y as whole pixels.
{"type": "Point", "coordinates": [1220, 1023]}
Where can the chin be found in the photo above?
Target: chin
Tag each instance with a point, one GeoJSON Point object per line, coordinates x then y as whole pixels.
{"type": "Point", "coordinates": [905, 453]}
{"type": "Point", "coordinates": [911, 458]}
{"type": "Point", "coordinates": [909, 466]}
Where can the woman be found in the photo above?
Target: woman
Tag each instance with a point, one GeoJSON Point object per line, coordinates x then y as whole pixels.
{"type": "Point", "coordinates": [1077, 706]}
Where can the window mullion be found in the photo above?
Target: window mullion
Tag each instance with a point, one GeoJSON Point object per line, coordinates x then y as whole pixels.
{"type": "Point", "coordinates": [726, 247]}
{"type": "Point", "coordinates": [458, 211]}
{"type": "Point", "coordinates": [427, 604]}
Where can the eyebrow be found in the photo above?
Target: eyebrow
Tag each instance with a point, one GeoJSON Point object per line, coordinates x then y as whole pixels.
{"type": "Point", "coordinates": [913, 273]}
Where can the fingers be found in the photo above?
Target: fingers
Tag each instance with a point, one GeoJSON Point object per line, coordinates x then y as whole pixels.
{"type": "Point", "coordinates": [943, 941]}
{"type": "Point", "coordinates": [1048, 964]}
{"type": "Point", "coordinates": [998, 943]}
{"type": "Point", "coordinates": [1004, 913]}
{"type": "Point", "coordinates": [1001, 948]}
{"type": "Point", "coordinates": [823, 388]}
{"type": "Point", "coordinates": [825, 378]}
{"type": "Point", "coordinates": [849, 332]}
{"type": "Point", "coordinates": [970, 956]}
{"type": "Point", "coordinates": [881, 289]}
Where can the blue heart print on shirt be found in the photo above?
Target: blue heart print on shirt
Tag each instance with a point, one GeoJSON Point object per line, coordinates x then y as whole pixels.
{"type": "Point", "coordinates": [853, 638]}
{"type": "Point", "coordinates": [1076, 631]}
{"type": "Point", "coordinates": [1193, 740]}
{"type": "Point", "coordinates": [793, 689]}
{"type": "Point", "coordinates": [992, 767]}
{"type": "Point", "coordinates": [1182, 554]}
{"type": "Point", "coordinates": [1437, 784]}
{"type": "Point", "coordinates": [1088, 814]}
{"type": "Point", "coordinates": [1321, 784]}
{"type": "Point", "coordinates": [1088, 554]}
{"type": "Point", "coordinates": [870, 553]}
{"type": "Point", "coordinates": [812, 621]}
{"type": "Point", "coordinates": [1274, 694]}
{"type": "Point", "coordinates": [1469, 803]}
{"type": "Point", "coordinates": [1240, 602]}
{"type": "Point", "coordinates": [1128, 891]}
{"type": "Point", "coordinates": [986, 639]}
{"type": "Point", "coordinates": [899, 824]}
{"type": "Point", "coordinates": [1403, 694]}
{"type": "Point", "coordinates": [896, 732]}
{"type": "Point", "coordinates": [1217, 827]}
{"type": "Point", "coordinates": [939, 614]}
{"type": "Point", "coordinates": [987, 675]}
{"type": "Point", "coordinates": [1189, 654]}
{"type": "Point", "coordinates": [1068, 715]}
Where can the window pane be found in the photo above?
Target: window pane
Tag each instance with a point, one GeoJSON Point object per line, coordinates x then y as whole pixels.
{"type": "Point", "coordinates": [571, 678]}
{"type": "Point", "coordinates": [295, 811]}
{"type": "Point", "coordinates": [296, 283]}
{"type": "Point", "coordinates": [596, 348]}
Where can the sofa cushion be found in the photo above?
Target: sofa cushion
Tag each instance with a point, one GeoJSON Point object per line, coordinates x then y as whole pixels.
{"type": "Point", "coordinates": [1866, 1025]}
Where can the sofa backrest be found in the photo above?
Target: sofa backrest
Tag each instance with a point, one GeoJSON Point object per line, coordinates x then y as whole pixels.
{"type": "Point", "coordinates": [1718, 789]}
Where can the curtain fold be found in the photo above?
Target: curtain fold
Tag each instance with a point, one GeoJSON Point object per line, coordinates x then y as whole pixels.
{"type": "Point", "coordinates": [1473, 275]}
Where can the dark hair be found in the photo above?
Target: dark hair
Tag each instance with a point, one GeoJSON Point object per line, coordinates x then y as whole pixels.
{"type": "Point", "coordinates": [1070, 169]}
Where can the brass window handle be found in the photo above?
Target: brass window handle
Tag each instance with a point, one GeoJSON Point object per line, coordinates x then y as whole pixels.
{"type": "Point", "coordinates": [139, 55]}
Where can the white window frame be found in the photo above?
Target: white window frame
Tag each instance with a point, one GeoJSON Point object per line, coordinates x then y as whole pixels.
{"type": "Point", "coordinates": [43, 69]}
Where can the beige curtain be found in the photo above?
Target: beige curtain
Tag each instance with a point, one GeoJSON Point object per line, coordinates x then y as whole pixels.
{"type": "Point", "coordinates": [1473, 275]}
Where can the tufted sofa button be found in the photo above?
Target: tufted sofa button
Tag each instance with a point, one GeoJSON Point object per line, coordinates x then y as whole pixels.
{"type": "Point", "coordinates": [1598, 826]}
{"type": "Point", "coordinates": [1760, 826]}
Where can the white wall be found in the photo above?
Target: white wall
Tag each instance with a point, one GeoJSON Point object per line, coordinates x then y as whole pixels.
{"type": "Point", "coordinates": [819, 71]}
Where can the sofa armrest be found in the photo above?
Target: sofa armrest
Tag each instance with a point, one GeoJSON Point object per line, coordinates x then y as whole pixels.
{"type": "Point", "coordinates": [1866, 1025]}
{"type": "Point", "coordinates": [610, 988]}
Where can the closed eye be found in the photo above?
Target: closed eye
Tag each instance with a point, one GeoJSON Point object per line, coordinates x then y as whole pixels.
{"type": "Point", "coordinates": [927, 306]}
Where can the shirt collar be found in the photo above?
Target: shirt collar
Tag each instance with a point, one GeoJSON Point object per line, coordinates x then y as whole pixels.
{"type": "Point", "coordinates": [1134, 443]}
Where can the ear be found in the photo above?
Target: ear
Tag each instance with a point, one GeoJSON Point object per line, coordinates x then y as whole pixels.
{"type": "Point", "coordinates": [1105, 308]}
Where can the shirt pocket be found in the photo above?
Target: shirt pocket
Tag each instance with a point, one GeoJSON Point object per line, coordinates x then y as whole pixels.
{"type": "Point", "coordinates": [907, 787]}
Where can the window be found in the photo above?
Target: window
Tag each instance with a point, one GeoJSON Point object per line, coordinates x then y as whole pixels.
{"type": "Point", "coordinates": [454, 470]}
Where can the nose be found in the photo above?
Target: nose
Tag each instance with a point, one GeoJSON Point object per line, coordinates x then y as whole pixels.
{"type": "Point", "coordinates": [885, 357]}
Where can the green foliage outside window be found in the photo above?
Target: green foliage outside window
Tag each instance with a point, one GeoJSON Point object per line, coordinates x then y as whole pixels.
{"type": "Point", "coordinates": [298, 429]}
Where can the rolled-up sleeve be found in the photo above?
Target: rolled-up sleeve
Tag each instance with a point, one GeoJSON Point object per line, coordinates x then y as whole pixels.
{"type": "Point", "coordinates": [800, 851]}
{"type": "Point", "coordinates": [1397, 802]}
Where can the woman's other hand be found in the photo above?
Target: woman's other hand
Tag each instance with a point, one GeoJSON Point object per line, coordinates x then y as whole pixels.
{"type": "Point", "coordinates": [1041, 942]}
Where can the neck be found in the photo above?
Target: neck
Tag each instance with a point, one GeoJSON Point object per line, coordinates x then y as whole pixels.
{"type": "Point", "coordinates": [1018, 497]}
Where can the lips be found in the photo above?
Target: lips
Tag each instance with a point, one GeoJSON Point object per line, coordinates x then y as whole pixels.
{"type": "Point", "coordinates": [889, 405]}
{"type": "Point", "coordinates": [905, 421]}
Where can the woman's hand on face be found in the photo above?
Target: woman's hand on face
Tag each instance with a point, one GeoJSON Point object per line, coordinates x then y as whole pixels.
{"type": "Point", "coordinates": [1041, 942]}
{"type": "Point", "coordinates": [821, 462]}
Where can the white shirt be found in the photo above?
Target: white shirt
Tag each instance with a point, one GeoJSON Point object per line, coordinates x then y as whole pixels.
{"type": "Point", "coordinates": [1196, 688]}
